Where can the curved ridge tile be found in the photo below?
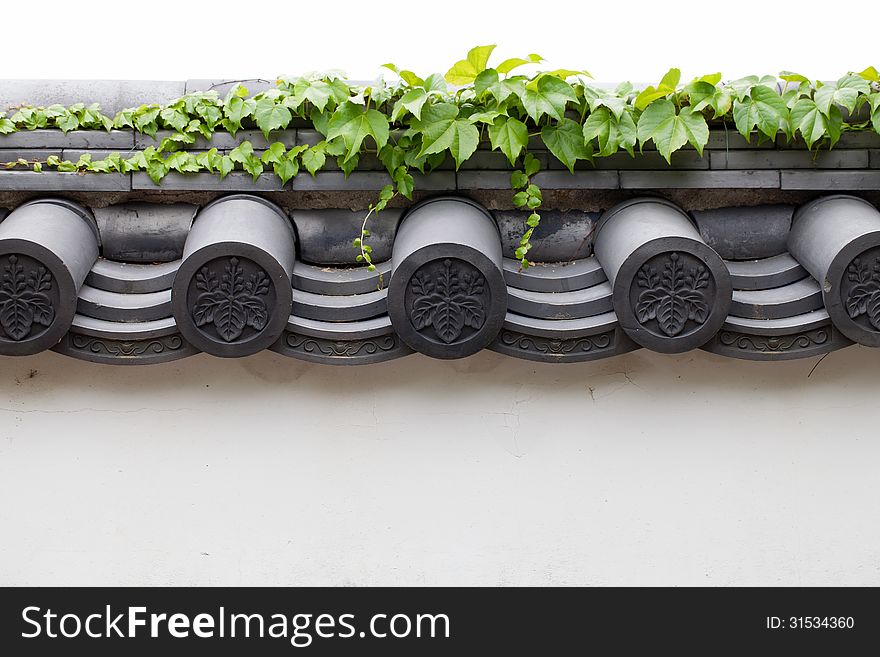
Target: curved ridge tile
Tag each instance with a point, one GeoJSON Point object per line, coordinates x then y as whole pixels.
{"type": "Point", "coordinates": [837, 239]}
{"type": "Point", "coordinates": [562, 340]}
{"type": "Point", "coordinates": [561, 236]}
{"type": "Point", "coordinates": [338, 308]}
{"type": "Point", "coordinates": [47, 247]}
{"type": "Point", "coordinates": [799, 343]}
{"type": "Point", "coordinates": [102, 328]}
{"type": "Point", "coordinates": [447, 296]}
{"type": "Point", "coordinates": [745, 232]}
{"type": "Point", "coordinates": [339, 281]}
{"type": "Point", "coordinates": [148, 351]}
{"type": "Point", "coordinates": [341, 343]}
{"type": "Point", "coordinates": [795, 298]}
{"type": "Point", "coordinates": [672, 292]}
{"type": "Point", "coordinates": [124, 343]}
{"type": "Point", "coordinates": [325, 235]}
{"type": "Point", "coordinates": [130, 278]}
{"type": "Point", "coordinates": [144, 232]}
{"type": "Point", "coordinates": [780, 326]}
{"type": "Point", "coordinates": [118, 307]}
{"type": "Point", "coordinates": [232, 294]}
{"type": "Point", "coordinates": [367, 328]}
{"type": "Point", "coordinates": [554, 277]}
{"type": "Point", "coordinates": [561, 328]}
{"type": "Point", "coordinates": [594, 300]}
{"type": "Point", "coordinates": [765, 273]}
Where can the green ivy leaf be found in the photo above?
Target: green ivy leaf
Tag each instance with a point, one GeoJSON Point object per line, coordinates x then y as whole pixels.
{"type": "Point", "coordinates": [67, 122]}
{"type": "Point", "coordinates": [509, 65]}
{"type": "Point", "coordinates": [348, 165]}
{"type": "Point", "coordinates": [485, 80]}
{"type": "Point", "coordinates": [465, 71]}
{"type": "Point", "coordinates": [274, 154]}
{"type": "Point", "coordinates": [155, 169]}
{"type": "Point", "coordinates": [242, 153]}
{"type": "Point", "coordinates": [353, 124]}
{"type": "Point", "coordinates": [597, 98]}
{"type": "Point", "coordinates": [874, 99]}
{"type": "Point", "coordinates": [404, 182]}
{"type": "Point", "coordinates": [225, 166]}
{"type": "Point", "coordinates": [844, 92]}
{"type": "Point", "coordinates": [435, 85]}
{"type": "Point", "coordinates": [531, 164]}
{"type": "Point", "coordinates": [670, 130]}
{"type": "Point", "coordinates": [504, 89]}
{"type": "Point", "coordinates": [124, 119]}
{"type": "Point", "coordinates": [566, 141]}
{"type": "Point", "coordinates": [518, 180]}
{"type": "Point", "coordinates": [145, 120]}
{"type": "Point", "coordinates": [54, 111]}
{"type": "Point", "coordinates": [488, 116]}
{"type": "Point", "coordinates": [441, 129]}
{"type": "Point", "coordinates": [612, 133]}
{"type": "Point", "coordinates": [175, 118]}
{"type": "Point", "coordinates": [510, 136]}
{"type": "Point", "coordinates": [764, 108]}
{"type": "Point", "coordinates": [703, 94]}
{"type": "Point", "coordinates": [789, 76]}
{"type": "Point", "coordinates": [209, 160]}
{"type": "Point", "coordinates": [182, 162]}
{"type": "Point", "coordinates": [870, 74]}
{"type": "Point", "coordinates": [551, 97]}
{"type": "Point", "coordinates": [236, 110]}
{"type": "Point", "coordinates": [667, 86]}
{"type": "Point", "coordinates": [412, 102]}
{"type": "Point", "coordinates": [6, 126]}
{"type": "Point", "coordinates": [269, 116]}
{"type": "Point", "coordinates": [138, 162]}
{"type": "Point", "coordinates": [813, 124]}
{"type": "Point", "coordinates": [314, 158]}
{"type": "Point", "coordinates": [318, 93]}
{"type": "Point", "coordinates": [286, 169]}
{"type": "Point", "coordinates": [410, 78]}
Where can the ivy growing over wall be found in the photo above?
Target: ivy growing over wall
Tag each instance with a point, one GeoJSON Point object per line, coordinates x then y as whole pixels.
{"type": "Point", "coordinates": [413, 123]}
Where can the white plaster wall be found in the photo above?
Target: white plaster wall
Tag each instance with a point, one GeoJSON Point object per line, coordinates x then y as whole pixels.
{"type": "Point", "coordinates": [643, 469]}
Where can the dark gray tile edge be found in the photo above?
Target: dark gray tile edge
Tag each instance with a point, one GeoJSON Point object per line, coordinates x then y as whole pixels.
{"type": "Point", "coordinates": [697, 179]}
{"type": "Point", "coordinates": [789, 159]}
{"type": "Point", "coordinates": [471, 180]}
{"type": "Point", "coordinates": [790, 346]}
{"type": "Point", "coordinates": [223, 140]}
{"type": "Point", "coordinates": [115, 139]}
{"type": "Point", "coordinates": [332, 351]}
{"type": "Point", "coordinates": [124, 350]}
{"type": "Point", "coordinates": [848, 139]}
{"type": "Point", "coordinates": [649, 160]}
{"type": "Point", "coordinates": [29, 154]}
{"type": "Point", "coordinates": [235, 181]}
{"type": "Point", "coordinates": [24, 181]}
{"type": "Point", "coordinates": [830, 180]}
{"type": "Point", "coordinates": [369, 181]}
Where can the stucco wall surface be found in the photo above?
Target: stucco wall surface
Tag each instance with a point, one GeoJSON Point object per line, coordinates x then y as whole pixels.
{"type": "Point", "coordinates": [641, 469]}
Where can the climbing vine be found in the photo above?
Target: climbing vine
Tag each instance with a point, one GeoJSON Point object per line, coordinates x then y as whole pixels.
{"type": "Point", "coordinates": [414, 124]}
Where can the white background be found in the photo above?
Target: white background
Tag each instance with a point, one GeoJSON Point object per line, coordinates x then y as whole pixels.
{"type": "Point", "coordinates": [635, 40]}
{"type": "Point", "coordinates": [643, 469]}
